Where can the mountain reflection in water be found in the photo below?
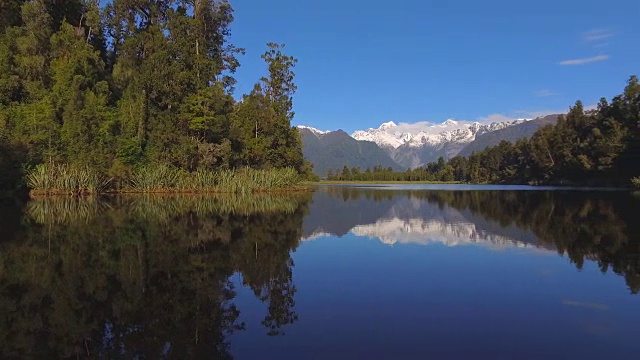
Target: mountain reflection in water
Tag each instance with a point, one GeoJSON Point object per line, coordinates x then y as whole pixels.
{"type": "Point", "coordinates": [597, 226]}
{"type": "Point", "coordinates": [155, 277]}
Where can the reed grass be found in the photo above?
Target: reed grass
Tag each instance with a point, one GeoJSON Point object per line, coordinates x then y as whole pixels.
{"type": "Point", "coordinates": [152, 178]}
{"type": "Point", "coordinates": [66, 210]}
{"type": "Point", "coordinates": [162, 178]}
{"type": "Point", "coordinates": [57, 179]}
{"type": "Point", "coordinates": [53, 179]}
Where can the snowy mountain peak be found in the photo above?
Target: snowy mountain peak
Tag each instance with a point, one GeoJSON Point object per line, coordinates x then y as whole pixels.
{"type": "Point", "coordinates": [387, 125]}
{"type": "Point", "coordinates": [392, 135]}
{"type": "Point", "coordinates": [423, 231]}
{"type": "Point", "coordinates": [313, 130]}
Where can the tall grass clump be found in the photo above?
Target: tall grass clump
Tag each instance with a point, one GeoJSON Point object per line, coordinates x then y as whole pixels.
{"type": "Point", "coordinates": [57, 179]}
{"type": "Point", "coordinates": [163, 178]}
{"type": "Point", "coordinates": [52, 179]}
{"type": "Point", "coordinates": [154, 178]}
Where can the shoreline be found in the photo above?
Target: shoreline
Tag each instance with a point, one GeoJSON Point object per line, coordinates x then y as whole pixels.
{"type": "Point", "coordinates": [556, 187]}
{"type": "Point", "coordinates": [168, 191]}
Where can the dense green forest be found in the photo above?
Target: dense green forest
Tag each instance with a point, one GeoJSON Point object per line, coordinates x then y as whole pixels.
{"type": "Point", "coordinates": [135, 83]}
{"type": "Point", "coordinates": [595, 147]}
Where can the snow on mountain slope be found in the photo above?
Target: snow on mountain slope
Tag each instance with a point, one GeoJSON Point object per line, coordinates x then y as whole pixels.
{"type": "Point", "coordinates": [313, 130]}
{"type": "Point", "coordinates": [423, 232]}
{"type": "Point", "coordinates": [392, 135]}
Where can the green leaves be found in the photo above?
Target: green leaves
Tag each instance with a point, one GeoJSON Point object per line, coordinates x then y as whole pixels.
{"type": "Point", "coordinates": [207, 114]}
{"type": "Point", "coordinates": [159, 91]}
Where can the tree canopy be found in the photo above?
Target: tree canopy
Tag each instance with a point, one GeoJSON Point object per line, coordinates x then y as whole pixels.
{"type": "Point", "coordinates": [138, 82]}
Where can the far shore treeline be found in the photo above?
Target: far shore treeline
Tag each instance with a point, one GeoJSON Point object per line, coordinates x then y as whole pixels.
{"type": "Point", "coordinates": [94, 97]}
{"type": "Point", "coordinates": [586, 147]}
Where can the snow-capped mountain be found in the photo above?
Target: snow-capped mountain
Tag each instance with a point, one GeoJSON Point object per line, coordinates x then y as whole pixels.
{"type": "Point", "coordinates": [312, 129]}
{"type": "Point", "coordinates": [404, 219]}
{"type": "Point", "coordinates": [391, 135]}
{"type": "Point", "coordinates": [414, 145]}
{"type": "Point", "coordinates": [403, 145]}
{"type": "Point", "coordinates": [423, 232]}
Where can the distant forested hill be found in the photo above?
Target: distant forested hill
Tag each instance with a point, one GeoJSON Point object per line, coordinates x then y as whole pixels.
{"type": "Point", "coordinates": [336, 149]}
{"type": "Point", "coordinates": [599, 147]}
{"type": "Point", "coordinates": [511, 134]}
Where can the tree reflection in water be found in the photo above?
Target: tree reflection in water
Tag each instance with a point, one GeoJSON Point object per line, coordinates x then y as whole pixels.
{"type": "Point", "coordinates": [600, 226]}
{"type": "Point", "coordinates": [149, 277]}
{"type": "Point", "coordinates": [143, 276]}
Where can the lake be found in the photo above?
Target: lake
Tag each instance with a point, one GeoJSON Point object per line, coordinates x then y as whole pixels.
{"type": "Point", "coordinates": [346, 272]}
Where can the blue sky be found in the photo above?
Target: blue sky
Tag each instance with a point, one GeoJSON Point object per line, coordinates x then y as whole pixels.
{"type": "Point", "coordinates": [362, 63]}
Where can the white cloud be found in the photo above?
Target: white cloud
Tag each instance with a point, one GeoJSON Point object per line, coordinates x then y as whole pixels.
{"type": "Point", "coordinates": [597, 35]}
{"type": "Point", "coordinates": [544, 93]}
{"type": "Point", "coordinates": [583, 61]}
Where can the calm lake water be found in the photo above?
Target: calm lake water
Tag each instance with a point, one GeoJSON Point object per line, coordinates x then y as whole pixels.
{"type": "Point", "coordinates": [398, 272]}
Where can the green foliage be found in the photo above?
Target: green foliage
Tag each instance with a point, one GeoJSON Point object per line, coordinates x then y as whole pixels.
{"type": "Point", "coordinates": [159, 91]}
{"type": "Point", "coordinates": [47, 179]}
{"type": "Point", "coordinates": [163, 178]}
{"type": "Point", "coordinates": [10, 13]}
{"type": "Point", "coordinates": [207, 112]}
{"type": "Point", "coordinates": [154, 178]}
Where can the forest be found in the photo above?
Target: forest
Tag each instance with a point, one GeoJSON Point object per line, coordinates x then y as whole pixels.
{"type": "Point", "coordinates": [108, 90]}
{"type": "Point", "coordinates": [585, 147]}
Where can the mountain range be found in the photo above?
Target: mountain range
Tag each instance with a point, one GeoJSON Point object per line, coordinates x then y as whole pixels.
{"type": "Point", "coordinates": [404, 146]}
{"type": "Point", "coordinates": [401, 219]}
{"type": "Point", "coordinates": [336, 149]}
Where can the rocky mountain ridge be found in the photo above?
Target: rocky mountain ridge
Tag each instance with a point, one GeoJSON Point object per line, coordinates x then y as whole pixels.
{"type": "Point", "coordinates": [407, 146]}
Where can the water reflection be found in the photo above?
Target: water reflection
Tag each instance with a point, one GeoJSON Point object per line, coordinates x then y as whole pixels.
{"type": "Point", "coordinates": [129, 277]}
{"type": "Point", "coordinates": [595, 226]}
{"type": "Point", "coordinates": [157, 277]}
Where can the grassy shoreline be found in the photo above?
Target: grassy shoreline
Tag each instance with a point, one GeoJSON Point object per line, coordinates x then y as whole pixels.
{"type": "Point", "coordinates": [62, 179]}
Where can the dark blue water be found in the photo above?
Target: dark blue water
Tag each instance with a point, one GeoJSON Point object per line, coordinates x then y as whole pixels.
{"type": "Point", "coordinates": [384, 273]}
